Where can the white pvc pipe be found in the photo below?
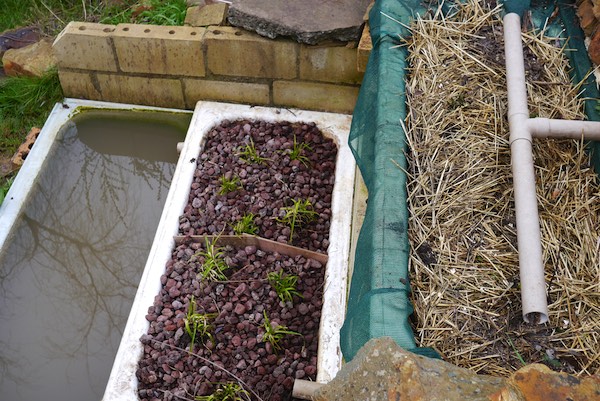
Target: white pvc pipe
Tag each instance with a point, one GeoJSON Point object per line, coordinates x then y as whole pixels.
{"type": "Point", "coordinates": [304, 389]}
{"type": "Point", "coordinates": [551, 128]}
{"type": "Point", "coordinates": [522, 129]}
{"type": "Point", "coordinates": [533, 289]}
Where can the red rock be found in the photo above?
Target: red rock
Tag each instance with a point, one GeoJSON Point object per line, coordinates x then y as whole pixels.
{"type": "Point", "coordinates": [586, 17]}
{"type": "Point", "coordinates": [594, 48]}
{"type": "Point", "coordinates": [537, 382]}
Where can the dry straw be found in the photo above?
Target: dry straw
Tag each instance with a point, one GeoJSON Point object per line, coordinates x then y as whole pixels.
{"type": "Point", "coordinates": [464, 267]}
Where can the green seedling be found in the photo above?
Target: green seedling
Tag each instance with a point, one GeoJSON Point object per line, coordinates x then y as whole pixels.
{"type": "Point", "coordinates": [196, 324]}
{"type": "Point", "coordinates": [226, 392]}
{"type": "Point", "coordinates": [249, 154]}
{"type": "Point", "coordinates": [246, 225]}
{"type": "Point", "coordinates": [229, 184]}
{"type": "Point", "coordinates": [297, 150]}
{"type": "Point", "coordinates": [299, 213]}
{"type": "Point", "coordinates": [284, 286]}
{"type": "Point", "coordinates": [274, 335]}
{"type": "Point", "coordinates": [214, 264]}
{"type": "Point", "coordinates": [517, 353]}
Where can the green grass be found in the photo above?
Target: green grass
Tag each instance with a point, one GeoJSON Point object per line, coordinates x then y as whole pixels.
{"type": "Point", "coordinates": [25, 102]}
{"type": "Point", "coordinates": [250, 155]}
{"type": "Point", "coordinates": [284, 286]}
{"type": "Point", "coordinates": [301, 212]}
{"type": "Point", "coordinates": [214, 266]}
{"type": "Point", "coordinates": [297, 151]}
{"type": "Point", "coordinates": [245, 225]}
{"type": "Point", "coordinates": [5, 184]}
{"type": "Point", "coordinates": [229, 184]}
{"type": "Point", "coordinates": [274, 335]}
{"type": "Point", "coordinates": [160, 12]}
{"type": "Point", "coordinates": [50, 15]}
{"type": "Point", "coordinates": [197, 324]}
{"type": "Point", "coordinates": [226, 392]}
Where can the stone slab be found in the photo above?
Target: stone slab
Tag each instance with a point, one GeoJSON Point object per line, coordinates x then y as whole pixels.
{"type": "Point", "coordinates": [307, 21]}
{"type": "Point", "coordinates": [383, 371]}
{"type": "Point", "coordinates": [17, 38]}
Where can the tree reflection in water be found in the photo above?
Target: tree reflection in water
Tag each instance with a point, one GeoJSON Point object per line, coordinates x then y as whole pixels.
{"type": "Point", "coordinates": [70, 271]}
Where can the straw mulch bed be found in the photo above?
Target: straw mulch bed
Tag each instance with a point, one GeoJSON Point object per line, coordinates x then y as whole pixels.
{"type": "Point", "coordinates": [465, 276]}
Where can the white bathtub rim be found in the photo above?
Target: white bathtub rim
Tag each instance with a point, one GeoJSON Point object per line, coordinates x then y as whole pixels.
{"type": "Point", "coordinates": [122, 383]}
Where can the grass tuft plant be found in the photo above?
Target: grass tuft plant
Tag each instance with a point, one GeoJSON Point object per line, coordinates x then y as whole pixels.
{"type": "Point", "coordinates": [226, 392]}
{"type": "Point", "coordinates": [249, 154]}
{"type": "Point", "coordinates": [299, 213]}
{"type": "Point", "coordinates": [196, 324]}
{"type": "Point", "coordinates": [284, 286]}
{"type": "Point", "coordinates": [25, 102]}
{"type": "Point", "coordinates": [214, 266]}
{"type": "Point", "coordinates": [157, 12]}
{"type": "Point", "coordinates": [246, 225]}
{"type": "Point", "coordinates": [297, 151]}
{"type": "Point", "coordinates": [229, 184]}
{"type": "Point", "coordinates": [274, 335]}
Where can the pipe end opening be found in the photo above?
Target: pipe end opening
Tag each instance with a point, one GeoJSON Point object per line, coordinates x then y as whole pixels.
{"type": "Point", "coordinates": [535, 318]}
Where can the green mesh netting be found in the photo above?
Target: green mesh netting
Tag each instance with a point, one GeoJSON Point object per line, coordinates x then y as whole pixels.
{"type": "Point", "coordinates": [378, 303]}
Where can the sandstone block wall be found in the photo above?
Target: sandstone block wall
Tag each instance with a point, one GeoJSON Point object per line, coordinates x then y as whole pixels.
{"type": "Point", "coordinates": [178, 66]}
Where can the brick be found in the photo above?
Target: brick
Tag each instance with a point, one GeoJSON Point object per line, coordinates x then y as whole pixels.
{"type": "Point", "coordinates": [79, 85]}
{"type": "Point", "coordinates": [86, 46]}
{"type": "Point", "coordinates": [210, 14]}
{"type": "Point", "coordinates": [315, 96]}
{"type": "Point", "coordinates": [329, 64]}
{"type": "Point", "coordinates": [162, 92]}
{"type": "Point", "coordinates": [164, 50]}
{"type": "Point", "coordinates": [235, 52]}
{"type": "Point", "coordinates": [236, 92]}
{"type": "Point", "coordinates": [19, 157]}
{"type": "Point", "coordinates": [364, 48]}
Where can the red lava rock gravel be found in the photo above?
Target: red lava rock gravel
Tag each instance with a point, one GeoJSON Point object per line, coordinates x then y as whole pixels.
{"type": "Point", "coordinates": [235, 350]}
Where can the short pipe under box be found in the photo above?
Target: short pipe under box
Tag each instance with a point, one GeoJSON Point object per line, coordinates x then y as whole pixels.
{"type": "Point", "coordinates": [122, 384]}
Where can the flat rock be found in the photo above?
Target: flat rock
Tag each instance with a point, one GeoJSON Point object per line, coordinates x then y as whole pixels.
{"type": "Point", "coordinates": [32, 60]}
{"type": "Point", "coordinates": [382, 371]}
{"type": "Point", "coordinates": [17, 38]}
{"type": "Point", "coordinates": [307, 21]}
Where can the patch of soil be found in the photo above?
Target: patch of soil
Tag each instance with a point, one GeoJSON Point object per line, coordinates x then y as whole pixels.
{"type": "Point", "coordinates": [235, 350]}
